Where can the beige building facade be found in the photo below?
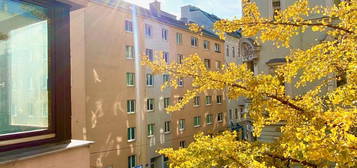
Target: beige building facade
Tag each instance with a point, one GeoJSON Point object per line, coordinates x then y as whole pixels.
{"type": "Point", "coordinates": [124, 107]}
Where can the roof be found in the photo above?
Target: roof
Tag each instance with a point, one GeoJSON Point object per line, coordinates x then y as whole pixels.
{"type": "Point", "coordinates": [148, 13]}
{"type": "Point", "coordinates": [213, 18]}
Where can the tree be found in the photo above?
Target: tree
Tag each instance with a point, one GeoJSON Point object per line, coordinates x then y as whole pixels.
{"type": "Point", "coordinates": [319, 126]}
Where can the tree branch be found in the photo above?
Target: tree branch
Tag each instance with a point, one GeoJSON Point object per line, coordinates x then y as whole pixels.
{"type": "Point", "coordinates": [291, 160]}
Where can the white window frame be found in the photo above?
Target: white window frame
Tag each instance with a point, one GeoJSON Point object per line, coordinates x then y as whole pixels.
{"type": "Point", "coordinates": [148, 30]}
{"type": "Point", "coordinates": [194, 42]}
{"type": "Point", "coordinates": [181, 124]}
{"type": "Point", "coordinates": [128, 26]}
{"type": "Point", "coordinates": [128, 75]}
{"type": "Point", "coordinates": [206, 44]}
{"type": "Point", "coordinates": [151, 130]}
{"type": "Point", "coordinates": [167, 127]}
{"type": "Point", "coordinates": [196, 101]}
{"type": "Point", "coordinates": [166, 102]}
{"type": "Point", "coordinates": [130, 160]}
{"type": "Point", "coordinates": [219, 97]}
{"type": "Point", "coordinates": [196, 121]}
{"type": "Point", "coordinates": [217, 47]}
{"type": "Point", "coordinates": [130, 106]}
{"type": "Point", "coordinates": [131, 134]}
{"type": "Point", "coordinates": [150, 104]}
{"type": "Point", "coordinates": [208, 100]}
{"type": "Point", "coordinates": [209, 118]}
{"type": "Point", "coordinates": [220, 117]}
{"type": "Point", "coordinates": [129, 52]}
{"type": "Point", "coordinates": [149, 79]}
{"type": "Point", "coordinates": [178, 38]}
{"type": "Point", "coordinates": [164, 34]}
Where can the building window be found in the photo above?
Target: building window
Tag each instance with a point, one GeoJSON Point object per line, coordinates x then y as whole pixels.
{"type": "Point", "coordinates": [207, 63]}
{"type": "Point", "coordinates": [130, 79]}
{"type": "Point", "coordinates": [148, 30]}
{"type": "Point", "coordinates": [167, 126]}
{"type": "Point", "coordinates": [220, 117]}
{"type": "Point", "coordinates": [149, 79]}
{"type": "Point", "coordinates": [128, 26]}
{"type": "Point", "coordinates": [196, 101]}
{"type": "Point", "coordinates": [182, 144]}
{"type": "Point", "coordinates": [150, 54]}
{"type": "Point", "coordinates": [129, 52]}
{"type": "Point", "coordinates": [217, 47]}
{"type": "Point", "coordinates": [178, 38]}
{"type": "Point", "coordinates": [164, 34]}
{"type": "Point", "coordinates": [208, 100]}
{"type": "Point", "coordinates": [218, 65]}
{"type": "Point", "coordinates": [219, 99]}
{"type": "Point", "coordinates": [150, 104]}
{"type": "Point", "coordinates": [230, 114]}
{"type": "Point", "coordinates": [132, 161]}
{"type": "Point", "coordinates": [130, 106]}
{"type": "Point", "coordinates": [181, 124]}
{"type": "Point", "coordinates": [166, 102]}
{"type": "Point", "coordinates": [32, 103]}
{"type": "Point", "coordinates": [165, 56]}
{"type": "Point", "coordinates": [131, 134]}
{"type": "Point", "coordinates": [227, 50]}
{"type": "Point", "coordinates": [276, 7]}
{"type": "Point", "coordinates": [250, 66]}
{"type": "Point", "coordinates": [233, 52]}
{"type": "Point", "coordinates": [241, 107]}
{"type": "Point", "coordinates": [236, 113]}
{"type": "Point", "coordinates": [194, 41]}
{"type": "Point", "coordinates": [196, 121]}
{"type": "Point", "coordinates": [165, 78]}
{"type": "Point", "coordinates": [151, 129]}
{"type": "Point", "coordinates": [209, 119]}
{"type": "Point", "coordinates": [179, 58]}
{"type": "Point", "coordinates": [180, 82]}
{"type": "Point", "coordinates": [206, 44]}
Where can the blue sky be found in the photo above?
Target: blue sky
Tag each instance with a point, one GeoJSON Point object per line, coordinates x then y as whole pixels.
{"type": "Point", "coordinates": [221, 8]}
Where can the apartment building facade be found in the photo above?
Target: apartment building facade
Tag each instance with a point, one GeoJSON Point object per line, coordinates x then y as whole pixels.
{"type": "Point", "coordinates": [35, 85]}
{"type": "Point", "coordinates": [124, 108]}
{"type": "Point", "coordinates": [264, 58]}
{"type": "Point", "coordinates": [194, 14]}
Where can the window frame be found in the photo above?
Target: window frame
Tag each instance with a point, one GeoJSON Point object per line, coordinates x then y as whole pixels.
{"type": "Point", "coordinates": [59, 78]}
{"type": "Point", "coordinates": [181, 124]}
{"type": "Point", "coordinates": [219, 97]}
{"type": "Point", "coordinates": [128, 49]}
{"type": "Point", "coordinates": [196, 121]}
{"type": "Point", "coordinates": [167, 127]}
{"type": "Point", "coordinates": [196, 101]}
{"type": "Point", "coordinates": [128, 24]}
{"type": "Point", "coordinates": [166, 102]}
{"type": "Point", "coordinates": [179, 38]}
{"type": "Point", "coordinates": [131, 134]}
{"type": "Point", "coordinates": [220, 117]}
{"type": "Point", "coordinates": [164, 34]}
{"type": "Point", "coordinates": [151, 130]}
{"type": "Point", "coordinates": [206, 44]}
{"type": "Point", "coordinates": [150, 102]}
{"type": "Point", "coordinates": [194, 42]}
{"type": "Point", "coordinates": [128, 75]}
{"type": "Point", "coordinates": [128, 106]}
{"type": "Point", "coordinates": [210, 100]}
{"type": "Point", "coordinates": [131, 158]}
{"type": "Point", "coordinates": [148, 30]}
{"type": "Point", "coordinates": [217, 47]}
{"type": "Point", "coordinates": [209, 118]}
{"type": "Point", "coordinates": [149, 80]}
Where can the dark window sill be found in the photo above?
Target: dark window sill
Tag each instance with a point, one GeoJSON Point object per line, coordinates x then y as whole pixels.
{"type": "Point", "coordinates": [32, 152]}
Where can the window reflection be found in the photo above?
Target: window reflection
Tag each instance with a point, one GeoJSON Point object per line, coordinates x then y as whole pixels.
{"type": "Point", "coordinates": [23, 67]}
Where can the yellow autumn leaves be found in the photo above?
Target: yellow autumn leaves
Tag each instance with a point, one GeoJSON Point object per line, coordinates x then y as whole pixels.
{"type": "Point", "coordinates": [319, 125]}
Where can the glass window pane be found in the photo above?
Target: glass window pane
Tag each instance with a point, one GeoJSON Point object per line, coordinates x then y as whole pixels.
{"type": "Point", "coordinates": [23, 67]}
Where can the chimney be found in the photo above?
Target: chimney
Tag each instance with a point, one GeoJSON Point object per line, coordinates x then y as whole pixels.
{"type": "Point", "coordinates": [155, 8]}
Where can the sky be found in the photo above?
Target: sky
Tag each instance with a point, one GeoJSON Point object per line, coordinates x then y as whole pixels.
{"type": "Point", "coordinates": [221, 8]}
